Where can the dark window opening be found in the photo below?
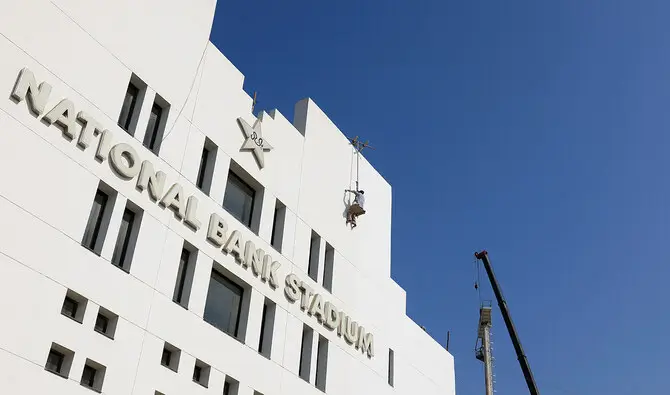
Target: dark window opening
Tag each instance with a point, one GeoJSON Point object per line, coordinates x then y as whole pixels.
{"type": "Point", "coordinates": [101, 323]}
{"type": "Point", "coordinates": [155, 126]}
{"type": "Point", "coordinates": [321, 363]}
{"type": "Point", "coordinates": [391, 367]}
{"type": "Point", "coordinates": [95, 220]}
{"type": "Point", "coordinates": [55, 361]}
{"type": "Point", "coordinates": [206, 168]}
{"type": "Point", "coordinates": [224, 304]}
{"type": "Point", "coordinates": [122, 250]}
{"type": "Point", "coordinates": [314, 253]}
{"type": "Point", "coordinates": [184, 277]}
{"type": "Point", "coordinates": [70, 307]}
{"type": "Point", "coordinates": [239, 199]}
{"type": "Point", "coordinates": [306, 353]}
{"type": "Point", "coordinates": [129, 106]}
{"type": "Point", "coordinates": [267, 326]}
{"type": "Point", "coordinates": [278, 226]}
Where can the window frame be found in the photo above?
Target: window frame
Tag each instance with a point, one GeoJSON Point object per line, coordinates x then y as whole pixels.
{"type": "Point", "coordinates": [91, 239]}
{"type": "Point", "coordinates": [238, 290]}
{"type": "Point", "coordinates": [240, 184]}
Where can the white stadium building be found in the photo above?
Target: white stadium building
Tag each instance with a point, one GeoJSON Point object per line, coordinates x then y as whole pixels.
{"type": "Point", "coordinates": [161, 238]}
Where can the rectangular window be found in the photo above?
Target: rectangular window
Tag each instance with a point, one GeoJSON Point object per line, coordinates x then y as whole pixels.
{"type": "Point", "coordinates": [306, 352]}
{"type": "Point", "coordinates": [156, 125]}
{"type": "Point", "coordinates": [239, 199]}
{"type": "Point", "coordinates": [322, 363]}
{"type": "Point", "coordinates": [125, 241]}
{"type": "Point", "coordinates": [98, 220]}
{"type": "Point", "coordinates": [69, 308]}
{"type": "Point", "coordinates": [93, 375]}
{"type": "Point", "coordinates": [105, 322]}
{"type": "Point", "coordinates": [328, 267]}
{"type": "Point", "coordinates": [224, 304]}
{"type": "Point", "coordinates": [278, 225]}
{"type": "Point", "coordinates": [170, 357]}
{"type": "Point", "coordinates": [201, 373]}
{"type": "Point", "coordinates": [182, 290]}
{"type": "Point", "coordinates": [55, 361]}
{"type": "Point", "coordinates": [59, 360]}
{"type": "Point", "coordinates": [267, 327]}
{"type": "Point", "coordinates": [314, 253]}
{"type": "Point", "coordinates": [74, 306]}
{"type": "Point", "coordinates": [129, 107]}
{"type": "Point", "coordinates": [206, 169]}
{"type": "Point", "coordinates": [230, 386]}
{"type": "Point", "coordinates": [391, 367]}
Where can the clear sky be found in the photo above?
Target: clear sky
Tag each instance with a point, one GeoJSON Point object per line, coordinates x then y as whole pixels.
{"type": "Point", "coordinates": [536, 130]}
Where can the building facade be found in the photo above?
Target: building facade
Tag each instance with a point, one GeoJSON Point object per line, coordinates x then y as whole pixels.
{"type": "Point", "coordinates": [160, 238]}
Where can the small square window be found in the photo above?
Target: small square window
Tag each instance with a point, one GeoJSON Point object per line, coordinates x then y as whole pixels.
{"type": "Point", "coordinates": [59, 360]}
{"type": "Point", "coordinates": [170, 357]}
{"type": "Point", "coordinates": [93, 375]}
{"type": "Point", "coordinates": [69, 307]}
{"type": "Point", "coordinates": [230, 386]}
{"type": "Point", "coordinates": [74, 306]}
{"type": "Point", "coordinates": [201, 373]}
{"type": "Point", "coordinates": [105, 322]}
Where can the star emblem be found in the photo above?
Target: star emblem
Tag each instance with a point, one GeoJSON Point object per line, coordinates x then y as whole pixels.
{"type": "Point", "coordinates": [254, 140]}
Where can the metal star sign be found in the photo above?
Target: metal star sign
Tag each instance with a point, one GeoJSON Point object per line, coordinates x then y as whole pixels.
{"type": "Point", "coordinates": [254, 141]}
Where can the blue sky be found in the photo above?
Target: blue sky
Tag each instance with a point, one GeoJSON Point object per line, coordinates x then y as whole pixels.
{"type": "Point", "coordinates": [536, 130]}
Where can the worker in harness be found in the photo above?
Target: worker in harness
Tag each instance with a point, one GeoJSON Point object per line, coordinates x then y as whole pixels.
{"type": "Point", "coordinates": [356, 208]}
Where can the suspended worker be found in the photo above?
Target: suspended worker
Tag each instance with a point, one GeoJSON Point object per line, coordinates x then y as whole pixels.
{"type": "Point", "coordinates": [356, 208]}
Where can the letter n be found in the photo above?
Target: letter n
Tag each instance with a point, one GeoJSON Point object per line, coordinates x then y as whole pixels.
{"type": "Point", "coordinates": [26, 87]}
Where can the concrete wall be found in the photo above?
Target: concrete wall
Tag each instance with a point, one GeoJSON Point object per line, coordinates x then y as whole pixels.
{"type": "Point", "coordinates": [87, 51]}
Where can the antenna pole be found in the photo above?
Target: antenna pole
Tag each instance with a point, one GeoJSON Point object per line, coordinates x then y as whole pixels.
{"type": "Point", "coordinates": [523, 361]}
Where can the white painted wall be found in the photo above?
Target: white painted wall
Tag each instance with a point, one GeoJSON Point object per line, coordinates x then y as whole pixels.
{"type": "Point", "coordinates": [87, 51]}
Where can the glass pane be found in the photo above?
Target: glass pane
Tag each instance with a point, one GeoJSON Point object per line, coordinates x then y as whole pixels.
{"type": "Point", "coordinates": [88, 377]}
{"type": "Point", "coordinates": [128, 107]}
{"type": "Point", "coordinates": [123, 239]}
{"type": "Point", "coordinates": [152, 128]}
{"type": "Point", "coordinates": [203, 165]}
{"type": "Point", "coordinates": [54, 361]}
{"type": "Point", "coordinates": [181, 274]}
{"type": "Point", "coordinates": [224, 301]}
{"type": "Point", "coordinates": [101, 323]}
{"type": "Point", "coordinates": [69, 308]}
{"type": "Point", "coordinates": [239, 199]}
{"type": "Point", "coordinates": [95, 220]}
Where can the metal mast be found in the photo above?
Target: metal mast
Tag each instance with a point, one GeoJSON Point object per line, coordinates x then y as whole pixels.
{"type": "Point", "coordinates": [523, 361]}
{"type": "Point", "coordinates": [484, 351]}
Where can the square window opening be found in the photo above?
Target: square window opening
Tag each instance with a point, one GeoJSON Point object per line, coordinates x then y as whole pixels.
{"type": "Point", "coordinates": [170, 357]}
{"type": "Point", "coordinates": [231, 386]}
{"type": "Point", "coordinates": [201, 373]}
{"type": "Point", "coordinates": [227, 304]}
{"type": "Point", "coordinates": [74, 306]}
{"type": "Point", "coordinates": [243, 198]}
{"type": "Point", "coordinates": [127, 237]}
{"type": "Point", "coordinates": [105, 322]}
{"type": "Point", "coordinates": [59, 360]}
{"type": "Point", "coordinates": [93, 375]}
{"type": "Point", "coordinates": [278, 222]}
{"type": "Point", "coordinates": [314, 254]}
{"type": "Point", "coordinates": [131, 105]}
{"type": "Point", "coordinates": [185, 272]}
{"type": "Point", "coordinates": [206, 168]}
{"type": "Point", "coordinates": [156, 125]}
{"type": "Point", "coordinates": [98, 219]}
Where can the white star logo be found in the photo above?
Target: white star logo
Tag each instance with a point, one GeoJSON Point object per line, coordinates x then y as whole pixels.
{"type": "Point", "coordinates": [255, 141]}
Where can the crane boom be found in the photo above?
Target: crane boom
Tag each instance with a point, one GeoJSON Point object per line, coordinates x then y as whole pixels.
{"type": "Point", "coordinates": [523, 361]}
